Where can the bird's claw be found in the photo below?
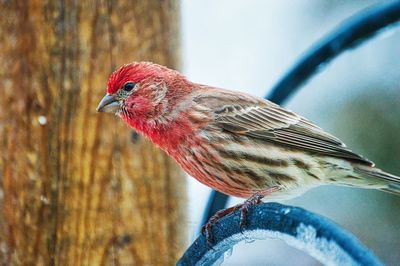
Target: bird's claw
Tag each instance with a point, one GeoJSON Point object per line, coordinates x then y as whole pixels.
{"type": "Point", "coordinates": [207, 228]}
{"type": "Point", "coordinates": [244, 207]}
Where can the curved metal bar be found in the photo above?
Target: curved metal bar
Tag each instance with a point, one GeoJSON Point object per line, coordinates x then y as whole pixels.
{"type": "Point", "coordinates": [350, 34]}
{"type": "Point", "coordinates": [316, 235]}
{"type": "Point", "coordinates": [353, 32]}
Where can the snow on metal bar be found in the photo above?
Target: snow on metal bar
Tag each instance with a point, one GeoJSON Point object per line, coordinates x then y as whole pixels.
{"type": "Point", "coordinates": [316, 235]}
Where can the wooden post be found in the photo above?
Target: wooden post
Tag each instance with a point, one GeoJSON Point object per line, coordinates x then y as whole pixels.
{"type": "Point", "coordinates": [77, 187]}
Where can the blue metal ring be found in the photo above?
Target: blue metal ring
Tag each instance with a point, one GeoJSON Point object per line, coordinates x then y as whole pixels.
{"type": "Point", "coordinates": [316, 235]}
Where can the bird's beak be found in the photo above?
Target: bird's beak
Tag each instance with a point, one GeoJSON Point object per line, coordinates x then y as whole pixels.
{"type": "Point", "coordinates": [108, 104]}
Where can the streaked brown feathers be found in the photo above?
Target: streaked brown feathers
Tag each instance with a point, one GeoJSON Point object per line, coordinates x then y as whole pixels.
{"type": "Point", "coordinates": [255, 118]}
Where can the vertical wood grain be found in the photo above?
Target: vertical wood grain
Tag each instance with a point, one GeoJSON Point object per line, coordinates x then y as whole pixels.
{"type": "Point", "coordinates": [77, 188]}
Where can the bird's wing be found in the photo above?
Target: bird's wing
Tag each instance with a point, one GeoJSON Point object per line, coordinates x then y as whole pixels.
{"type": "Point", "coordinates": [257, 118]}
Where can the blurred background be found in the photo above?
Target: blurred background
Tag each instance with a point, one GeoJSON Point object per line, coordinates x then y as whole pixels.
{"type": "Point", "coordinates": [248, 46]}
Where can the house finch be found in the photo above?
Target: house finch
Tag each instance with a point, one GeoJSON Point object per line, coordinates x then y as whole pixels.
{"type": "Point", "coordinates": [235, 143]}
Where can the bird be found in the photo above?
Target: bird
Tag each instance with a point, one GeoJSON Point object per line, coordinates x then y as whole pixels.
{"type": "Point", "coordinates": [233, 142]}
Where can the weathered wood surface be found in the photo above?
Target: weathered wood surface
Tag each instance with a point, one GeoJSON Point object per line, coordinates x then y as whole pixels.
{"type": "Point", "coordinates": [76, 187]}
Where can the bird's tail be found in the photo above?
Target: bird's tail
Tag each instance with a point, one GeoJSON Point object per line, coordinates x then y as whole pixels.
{"type": "Point", "coordinates": [382, 180]}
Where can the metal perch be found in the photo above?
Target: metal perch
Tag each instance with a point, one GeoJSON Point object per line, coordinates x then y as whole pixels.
{"type": "Point", "coordinates": [316, 235]}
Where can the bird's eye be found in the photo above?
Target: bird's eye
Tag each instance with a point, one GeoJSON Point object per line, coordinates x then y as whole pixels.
{"type": "Point", "coordinates": [128, 86]}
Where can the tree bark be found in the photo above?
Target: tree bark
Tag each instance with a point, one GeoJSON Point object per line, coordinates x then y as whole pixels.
{"type": "Point", "coordinates": [77, 187]}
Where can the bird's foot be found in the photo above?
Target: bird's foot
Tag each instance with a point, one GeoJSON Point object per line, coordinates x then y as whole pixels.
{"type": "Point", "coordinates": [254, 200]}
{"type": "Point", "coordinates": [244, 207]}
{"type": "Point", "coordinates": [207, 228]}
